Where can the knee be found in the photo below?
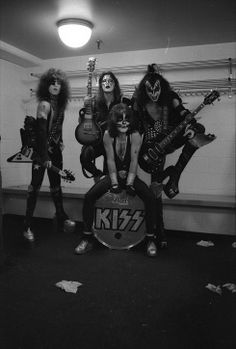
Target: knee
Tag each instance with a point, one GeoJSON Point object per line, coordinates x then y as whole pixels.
{"type": "Point", "coordinates": [55, 189]}
{"type": "Point", "coordinates": [87, 154]}
{"type": "Point", "coordinates": [33, 188]}
{"type": "Point", "coordinates": [197, 128]}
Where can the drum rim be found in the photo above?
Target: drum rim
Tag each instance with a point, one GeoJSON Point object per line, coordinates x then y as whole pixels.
{"type": "Point", "coordinates": [119, 248]}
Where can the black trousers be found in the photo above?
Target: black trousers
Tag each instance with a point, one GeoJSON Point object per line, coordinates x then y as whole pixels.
{"type": "Point", "coordinates": [88, 156]}
{"type": "Point", "coordinates": [38, 172]}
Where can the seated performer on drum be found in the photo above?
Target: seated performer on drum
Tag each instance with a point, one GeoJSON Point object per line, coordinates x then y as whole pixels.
{"type": "Point", "coordinates": [160, 110]}
{"type": "Point", "coordinates": [122, 143]}
{"type": "Point", "coordinates": [109, 94]}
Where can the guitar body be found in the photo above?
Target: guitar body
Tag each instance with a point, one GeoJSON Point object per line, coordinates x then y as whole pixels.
{"type": "Point", "coordinates": [151, 159]}
{"type": "Point", "coordinates": [152, 154]}
{"type": "Point", "coordinates": [88, 132]}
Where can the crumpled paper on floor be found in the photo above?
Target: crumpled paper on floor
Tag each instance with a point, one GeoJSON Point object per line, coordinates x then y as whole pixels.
{"type": "Point", "coordinates": [205, 243]}
{"type": "Point", "coordinates": [68, 286]}
{"type": "Point", "coordinates": [214, 288]}
{"type": "Point", "coordinates": [234, 244]}
{"type": "Point", "coordinates": [231, 287]}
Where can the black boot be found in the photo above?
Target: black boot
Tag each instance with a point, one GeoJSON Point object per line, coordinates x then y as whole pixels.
{"type": "Point", "coordinates": [162, 239]}
{"type": "Point", "coordinates": [87, 241]}
{"type": "Point", "coordinates": [171, 189]}
{"type": "Point", "coordinates": [151, 247]}
{"type": "Point", "coordinates": [30, 207]}
{"type": "Point", "coordinates": [62, 219]}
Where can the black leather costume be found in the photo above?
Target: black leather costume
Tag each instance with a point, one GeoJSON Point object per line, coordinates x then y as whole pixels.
{"type": "Point", "coordinates": [48, 144]}
{"type": "Point", "coordinates": [170, 116]}
{"type": "Point", "coordinates": [90, 153]}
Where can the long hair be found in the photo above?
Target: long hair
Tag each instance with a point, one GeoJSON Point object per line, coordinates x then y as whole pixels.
{"type": "Point", "coordinates": [116, 92]}
{"type": "Point", "coordinates": [117, 111]}
{"type": "Point", "coordinates": [152, 75]}
{"type": "Point", "coordinates": [45, 81]}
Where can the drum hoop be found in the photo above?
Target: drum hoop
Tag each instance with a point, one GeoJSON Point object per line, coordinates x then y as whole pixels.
{"type": "Point", "coordinates": [118, 247]}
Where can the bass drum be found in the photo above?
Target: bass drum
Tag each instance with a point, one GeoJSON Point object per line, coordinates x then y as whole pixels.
{"type": "Point", "coordinates": [119, 221]}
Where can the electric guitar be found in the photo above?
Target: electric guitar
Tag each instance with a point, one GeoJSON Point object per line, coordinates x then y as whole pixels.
{"type": "Point", "coordinates": [88, 132]}
{"type": "Point", "coordinates": [152, 154]}
{"type": "Point", "coordinates": [28, 154]}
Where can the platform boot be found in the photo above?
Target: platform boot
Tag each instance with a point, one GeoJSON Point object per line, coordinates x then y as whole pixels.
{"type": "Point", "coordinates": [61, 221]}
{"type": "Point", "coordinates": [171, 189]}
{"type": "Point", "coordinates": [30, 207]}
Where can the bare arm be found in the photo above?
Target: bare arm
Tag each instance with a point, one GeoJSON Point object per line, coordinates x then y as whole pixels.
{"type": "Point", "coordinates": [108, 145]}
{"type": "Point", "coordinates": [180, 107]}
{"type": "Point", "coordinates": [136, 141]}
{"type": "Point", "coordinates": [43, 110]}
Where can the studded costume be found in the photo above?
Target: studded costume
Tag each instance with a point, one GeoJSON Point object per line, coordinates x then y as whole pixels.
{"type": "Point", "coordinates": [159, 111]}
{"type": "Point", "coordinates": [52, 94]}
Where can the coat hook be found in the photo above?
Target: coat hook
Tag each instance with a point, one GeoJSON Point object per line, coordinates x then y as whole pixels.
{"type": "Point", "coordinates": [99, 44]}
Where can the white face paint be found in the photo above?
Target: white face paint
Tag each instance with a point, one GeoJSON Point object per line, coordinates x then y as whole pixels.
{"type": "Point", "coordinates": [123, 124]}
{"type": "Point", "coordinates": [55, 88]}
{"type": "Point", "coordinates": [153, 90]}
{"type": "Point", "coordinates": [108, 84]}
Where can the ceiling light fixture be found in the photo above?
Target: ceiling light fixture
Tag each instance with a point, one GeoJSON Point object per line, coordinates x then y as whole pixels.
{"type": "Point", "coordinates": [74, 32]}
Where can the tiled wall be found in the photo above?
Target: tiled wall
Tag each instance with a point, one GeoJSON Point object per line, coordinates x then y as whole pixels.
{"type": "Point", "coordinates": [212, 168]}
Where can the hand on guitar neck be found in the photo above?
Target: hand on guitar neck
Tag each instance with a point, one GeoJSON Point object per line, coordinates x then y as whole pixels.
{"type": "Point", "coordinates": [66, 175]}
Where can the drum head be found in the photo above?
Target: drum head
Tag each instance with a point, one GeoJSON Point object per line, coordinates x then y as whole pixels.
{"type": "Point", "coordinates": [119, 220]}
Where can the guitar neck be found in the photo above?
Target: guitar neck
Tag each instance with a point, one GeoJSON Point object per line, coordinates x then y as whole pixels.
{"type": "Point", "coordinates": [89, 94]}
{"type": "Point", "coordinates": [169, 138]}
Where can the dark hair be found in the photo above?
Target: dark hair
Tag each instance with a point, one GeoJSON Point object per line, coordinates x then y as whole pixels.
{"type": "Point", "coordinates": [114, 114]}
{"type": "Point", "coordinates": [117, 90]}
{"type": "Point", "coordinates": [45, 81]}
{"type": "Point", "coordinates": [152, 74]}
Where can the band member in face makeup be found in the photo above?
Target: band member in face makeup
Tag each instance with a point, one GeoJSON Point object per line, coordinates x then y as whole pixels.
{"type": "Point", "coordinates": [52, 94]}
{"type": "Point", "coordinates": [109, 94]}
{"type": "Point", "coordinates": [122, 143]}
{"type": "Point", "coordinates": [159, 110]}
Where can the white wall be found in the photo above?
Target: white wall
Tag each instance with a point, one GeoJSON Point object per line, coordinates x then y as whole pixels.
{"type": "Point", "coordinates": [212, 169]}
{"type": "Point", "coordinates": [12, 96]}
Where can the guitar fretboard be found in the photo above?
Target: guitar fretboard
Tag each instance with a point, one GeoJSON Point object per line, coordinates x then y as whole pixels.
{"type": "Point", "coordinates": [169, 138]}
{"type": "Point", "coordinates": [89, 94]}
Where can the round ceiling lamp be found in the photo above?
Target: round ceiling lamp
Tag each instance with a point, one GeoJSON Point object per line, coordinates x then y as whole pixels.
{"type": "Point", "coordinates": [74, 32]}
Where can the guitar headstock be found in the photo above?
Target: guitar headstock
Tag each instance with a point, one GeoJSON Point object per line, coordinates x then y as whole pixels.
{"type": "Point", "coordinates": [69, 177]}
{"type": "Point", "coordinates": [91, 64]}
{"type": "Point", "coordinates": [211, 97]}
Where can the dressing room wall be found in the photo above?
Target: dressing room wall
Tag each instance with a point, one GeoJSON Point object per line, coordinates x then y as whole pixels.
{"type": "Point", "coordinates": [212, 169]}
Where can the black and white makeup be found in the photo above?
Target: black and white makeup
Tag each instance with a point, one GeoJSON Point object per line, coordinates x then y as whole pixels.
{"type": "Point", "coordinates": [123, 123]}
{"type": "Point", "coordinates": [108, 84]}
{"type": "Point", "coordinates": [55, 87]}
{"type": "Point", "coordinates": [153, 89]}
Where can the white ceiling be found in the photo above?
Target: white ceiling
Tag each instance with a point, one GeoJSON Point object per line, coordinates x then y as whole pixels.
{"type": "Point", "coordinates": [121, 25]}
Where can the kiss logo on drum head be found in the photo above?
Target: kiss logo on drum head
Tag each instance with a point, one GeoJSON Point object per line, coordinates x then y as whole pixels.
{"type": "Point", "coordinates": [119, 221]}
